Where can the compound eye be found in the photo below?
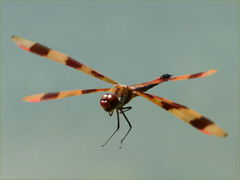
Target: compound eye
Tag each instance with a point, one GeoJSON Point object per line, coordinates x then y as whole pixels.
{"type": "Point", "coordinates": [109, 102]}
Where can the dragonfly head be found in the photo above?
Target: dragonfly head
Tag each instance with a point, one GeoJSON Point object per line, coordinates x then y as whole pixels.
{"type": "Point", "coordinates": [109, 102]}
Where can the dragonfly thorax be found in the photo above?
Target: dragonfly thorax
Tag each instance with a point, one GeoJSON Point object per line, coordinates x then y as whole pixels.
{"type": "Point", "coordinates": [109, 102]}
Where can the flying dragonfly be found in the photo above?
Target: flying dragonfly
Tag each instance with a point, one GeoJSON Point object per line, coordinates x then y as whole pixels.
{"type": "Point", "coordinates": [119, 95]}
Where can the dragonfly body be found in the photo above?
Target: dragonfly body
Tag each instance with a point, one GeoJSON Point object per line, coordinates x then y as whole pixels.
{"type": "Point", "coordinates": [119, 95]}
{"type": "Point", "coordinates": [122, 94]}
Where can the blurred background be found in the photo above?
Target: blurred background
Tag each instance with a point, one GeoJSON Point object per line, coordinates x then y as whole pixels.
{"type": "Point", "coordinates": [131, 42]}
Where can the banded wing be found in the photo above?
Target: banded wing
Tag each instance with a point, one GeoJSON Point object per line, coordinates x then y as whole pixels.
{"type": "Point", "coordinates": [59, 57]}
{"type": "Point", "coordinates": [193, 76]}
{"type": "Point", "coordinates": [166, 77]}
{"type": "Point", "coordinates": [60, 95]}
{"type": "Point", "coordinates": [186, 114]}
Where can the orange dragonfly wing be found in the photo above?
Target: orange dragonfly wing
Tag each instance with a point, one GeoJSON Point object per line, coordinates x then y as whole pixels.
{"type": "Point", "coordinates": [167, 77]}
{"type": "Point", "coordinates": [61, 94]}
{"type": "Point", "coordinates": [59, 57]}
{"type": "Point", "coordinates": [186, 114]}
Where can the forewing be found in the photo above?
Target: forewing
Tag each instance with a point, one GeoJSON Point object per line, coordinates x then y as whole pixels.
{"type": "Point", "coordinates": [59, 57]}
{"type": "Point", "coordinates": [145, 86]}
{"type": "Point", "coordinates": [60, 95]}
{"type": "Point", "coordinates": [193, 76]}
{"type": "Point", "coordinates": [186, 114]}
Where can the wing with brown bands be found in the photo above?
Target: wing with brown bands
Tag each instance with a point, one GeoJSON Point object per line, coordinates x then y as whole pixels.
{"type": "Point", "coordinates": [60, 95]}
{"type": "Point", "coordinates": [59, 57]}
{"type": "Point", "coordinates": [186, 114]}
{"type": "Point", "coordinates": [147, 85]}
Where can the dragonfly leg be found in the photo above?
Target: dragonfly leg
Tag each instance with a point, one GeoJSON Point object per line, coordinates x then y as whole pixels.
{"type": "Point", "coordinates": [130, 126]}
{"type": "Point", "coordinates": [125, 109]}
{"type": "Point", "coordinates": [118, 126]}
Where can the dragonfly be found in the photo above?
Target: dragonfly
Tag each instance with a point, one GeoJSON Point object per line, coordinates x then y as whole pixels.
{"type": "Point", "coordinates": [118, 96]}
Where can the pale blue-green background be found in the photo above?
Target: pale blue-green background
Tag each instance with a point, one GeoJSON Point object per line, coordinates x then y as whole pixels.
{"type": "Point", "coordinates": [131, 42]}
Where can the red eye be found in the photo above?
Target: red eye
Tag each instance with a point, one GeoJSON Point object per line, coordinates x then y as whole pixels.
{"type": "Point", "coordinates": [109, 102]}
